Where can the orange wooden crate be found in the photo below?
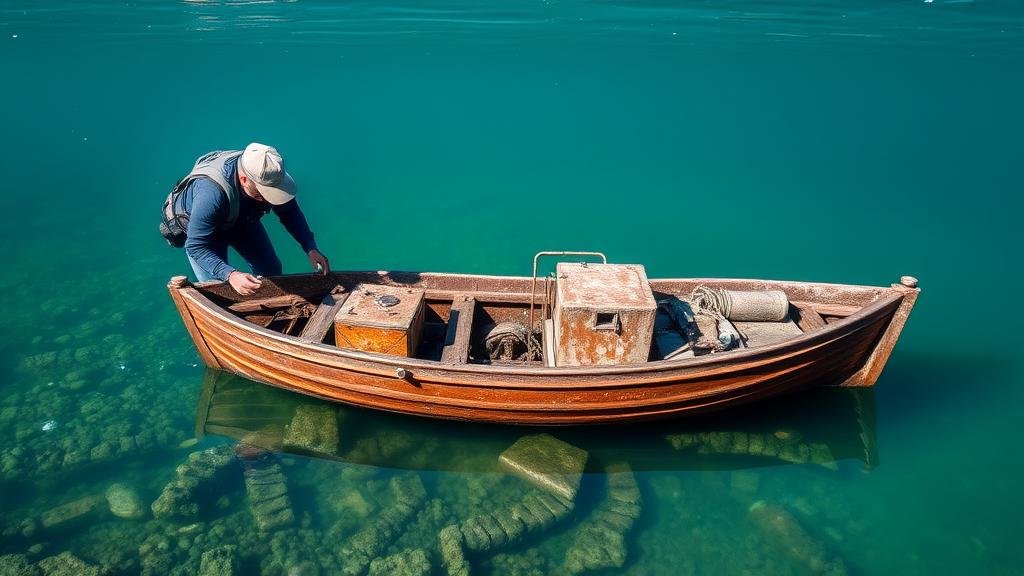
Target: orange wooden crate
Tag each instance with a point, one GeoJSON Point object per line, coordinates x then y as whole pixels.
{"type": "Point", "coordinates": [365, 322]}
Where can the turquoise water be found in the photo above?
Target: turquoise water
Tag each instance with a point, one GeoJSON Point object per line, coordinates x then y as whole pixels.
{"type": "Point", "coordinates": [812, 141]}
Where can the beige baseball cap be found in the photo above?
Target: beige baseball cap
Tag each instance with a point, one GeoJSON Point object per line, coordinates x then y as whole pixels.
{"type": "Point", "coordinates": [265, 167]}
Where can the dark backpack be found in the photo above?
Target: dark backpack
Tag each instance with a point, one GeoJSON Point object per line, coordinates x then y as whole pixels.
{"type": "Point", "coordinates": [174, 217]}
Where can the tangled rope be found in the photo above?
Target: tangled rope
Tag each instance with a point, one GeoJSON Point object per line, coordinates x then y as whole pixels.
{"type": "Point", "coordinates": [711, 301]}
{"type": "Point", "coordinates": [511, 341]}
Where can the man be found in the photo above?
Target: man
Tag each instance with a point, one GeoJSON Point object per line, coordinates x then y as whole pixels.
{"type": "Point", "coordinates": [220, 203]}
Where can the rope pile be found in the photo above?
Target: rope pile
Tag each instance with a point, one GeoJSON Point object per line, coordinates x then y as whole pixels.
{"type": "Point", "coordinates": [741, 305]}
{"type": "Point", "coordinates": [511, 341]}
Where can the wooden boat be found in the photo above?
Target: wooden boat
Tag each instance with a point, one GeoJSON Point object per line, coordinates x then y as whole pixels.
{"type": "Point", "coordinates": [282, 335]}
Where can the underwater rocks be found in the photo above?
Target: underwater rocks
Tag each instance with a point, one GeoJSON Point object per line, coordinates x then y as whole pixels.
{"type": "Point", "coordinates": [406, 563]}
{"type": "Point", "coordinates": [452, 556]}
{"type": "Point", "coordinates": [67, 564]}
{"type": "Point", "coordinates": [600, 539]}
{"type": "Point", "coordinates": [221, 561]}
{"type": "Point", "coordinates": [368, 543]}
{"type": "Point", "coordinates": [783, 530]}
{"type": "Point", "coordinates": [17, 565]}
{"type": "Point", "coordinates": [179, 498]}
{"type": "Point", "coordinates": [124, 502]}
{"type": "Point", "coordinates": [547, 463]}
{"type": "Point", "coordinates": [268, 495]}
{"type": "Point", "coordinates": [507, 525]}
{"type": "Point", "coordinates": [785, 445]}
{"type": "Point", "coordinates": [70, 512]}
{"type": "Point", "coordinates": [313, 430]}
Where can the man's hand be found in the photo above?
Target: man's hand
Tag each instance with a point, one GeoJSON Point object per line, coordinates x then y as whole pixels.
{"type": "Point", "coordinates": [243, 283]}
{"type": "Point", "coordinates": [319, 262]}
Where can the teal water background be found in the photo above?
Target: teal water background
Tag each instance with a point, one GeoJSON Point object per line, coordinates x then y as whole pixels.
{"type": "Point", "coordinates": [792, 140]}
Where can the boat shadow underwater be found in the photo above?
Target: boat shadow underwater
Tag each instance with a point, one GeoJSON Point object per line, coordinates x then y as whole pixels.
{"type": "Point", "coordinates": [821, 427]}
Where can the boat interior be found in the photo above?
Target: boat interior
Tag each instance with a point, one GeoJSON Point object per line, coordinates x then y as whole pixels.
{"type": "Point", "coordinates": [460, 319]}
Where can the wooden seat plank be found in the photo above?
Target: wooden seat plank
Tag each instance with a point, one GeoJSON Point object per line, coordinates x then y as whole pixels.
{"type": "Point", "coordinates": [460, 329]}
{"type": "Point", "coordinates": [322, 319]}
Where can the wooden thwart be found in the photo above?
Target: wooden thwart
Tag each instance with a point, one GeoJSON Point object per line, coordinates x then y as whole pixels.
{"type": "Point", "coordinates": [272, 303]}
{"type": "Point", "coordinates": [838, 310]}
{"type": "Point", "coordinates": [322, 320]}
{"type": "Point", "coordinates": [809, 319]}
{"type": "Point", "coordinates": [460, 328]}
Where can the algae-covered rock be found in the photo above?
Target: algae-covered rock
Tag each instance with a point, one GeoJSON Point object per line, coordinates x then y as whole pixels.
{"type": "Point", "coordinates": [600, 541]}
{"type": "Point", "coordinates": [782, 529]}
{"type": "Point", "coordinates": [547, 462]}
{"type": "Point", "coordinates": [314, 429]}
{"type": "Point", "coordinates": [70, 512]}
{"type": "Point", "coordinates": [369, 542]}
{"type": "Point", "coordinates": [406, 563]}
{"type": "Point", "coordinates": [682, 440]}
{"type": "Point", "coordinates": [67, 564]}
{"type": "Point", "coordinates": [382, 449]}
{"type": "Point", "coordinates": [220, 561]}
{"type": "Point", "coordinates": [822, 455]}
{"type": "Point", "coordinates": [199, 471]}
{"type": "Point", "coordinates": [124, 502]}
{"type": "Point", "coordinates": [17, 565]}
{"type": "Point", "coordinates": [452, 556]}
{"type": "Point", "coordinates": [268, 496]}
{"type": "Point", "coordinates": [506, 526]}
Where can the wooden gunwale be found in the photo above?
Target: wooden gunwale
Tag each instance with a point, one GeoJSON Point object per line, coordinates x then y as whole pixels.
{"type": "Point", "coordinates": [197, 302]}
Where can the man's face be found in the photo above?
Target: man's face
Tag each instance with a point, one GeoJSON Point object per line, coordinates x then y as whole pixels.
{"type": "Point", "coordinates": [249, 187]}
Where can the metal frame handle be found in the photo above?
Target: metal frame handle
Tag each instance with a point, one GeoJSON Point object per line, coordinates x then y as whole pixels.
{"type": "Point", "coordinates": [533, 283]}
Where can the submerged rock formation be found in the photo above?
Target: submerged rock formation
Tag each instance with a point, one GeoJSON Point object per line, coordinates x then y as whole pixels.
{"type": "Point", "coordinates": [406, 563]}
{"type": "Point", "coordinates": [268, 495]}
{"type": "Point", "coordinates": [313, 430]}
{"type": "Point", "coordinates": [18, 565]}
{"type": "Point", "coordinates": [453, 559]}
{"type": "Point", "coordinates": [547, 463]}
{"type": "Point", "coordinates": [124, 502]}
{"type": "Point", "coordinates": [368, 543]}
{"type": "Point", "coordinates": [600, 541]}
{"type": "Point", "coordinates": [785, 445]}
{"type": "Point", "coordinates": [783, 530]}
{"type": "Point", "coordinates": [179, 498]}
{"type": "Point", "coordinates": [70, 513]}
{"type": "Point", "coordinates": [508, 525]}
{"type": "Point", "coordinates": [220, 561]}
{"type": "Point", "coordinates": [67, 564]}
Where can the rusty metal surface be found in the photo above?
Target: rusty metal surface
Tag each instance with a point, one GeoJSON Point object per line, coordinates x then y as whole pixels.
{"type": "Point", "coordinates": [603, 314]}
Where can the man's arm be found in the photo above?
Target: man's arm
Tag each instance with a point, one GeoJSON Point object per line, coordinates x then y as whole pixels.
{"type": "Point", "coordinates": [209, 212]}
{"type": "Point", "coordinates": [294, 222]}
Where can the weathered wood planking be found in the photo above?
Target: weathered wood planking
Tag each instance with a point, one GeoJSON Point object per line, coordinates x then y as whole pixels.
{"type": "Point", "coordinates": [322, 320]}
{"type": "Point", "coordinates": [460, 328]}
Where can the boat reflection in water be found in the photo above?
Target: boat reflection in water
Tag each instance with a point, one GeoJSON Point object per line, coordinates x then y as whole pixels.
{"type": "Point", "coordinates": [820, 426]}
{"type": "Point", "coordinates": [393, 494]}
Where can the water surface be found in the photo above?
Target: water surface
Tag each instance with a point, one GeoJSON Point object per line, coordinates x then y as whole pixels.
{"type": "Point", "coordinates": [794, 140]}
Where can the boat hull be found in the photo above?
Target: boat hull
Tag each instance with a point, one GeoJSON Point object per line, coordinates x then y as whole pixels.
{"type": "Point", "coordinates": [534, 395]}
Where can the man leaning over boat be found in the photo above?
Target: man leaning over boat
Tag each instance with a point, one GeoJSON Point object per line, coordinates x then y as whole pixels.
{"type": "Point", "coordinates": [220, 203]}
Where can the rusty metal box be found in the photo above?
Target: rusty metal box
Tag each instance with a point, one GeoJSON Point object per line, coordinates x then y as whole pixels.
{"type": "Point", "coordinates": [385, 319]}
{"type": "Point", "coordinates": [603, 314]}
